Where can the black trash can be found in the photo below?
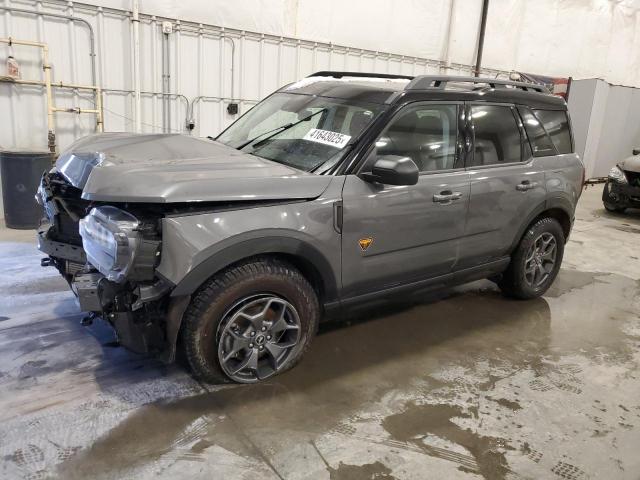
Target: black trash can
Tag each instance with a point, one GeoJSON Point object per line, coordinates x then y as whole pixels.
{"type": "Point", "coordinates": [21, 173]}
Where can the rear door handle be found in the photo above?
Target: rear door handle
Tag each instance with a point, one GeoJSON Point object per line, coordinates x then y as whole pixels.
{"type": "Point", "coordinates": [446, 196]}
{"type": "Point", "coordinates": [526, 185]}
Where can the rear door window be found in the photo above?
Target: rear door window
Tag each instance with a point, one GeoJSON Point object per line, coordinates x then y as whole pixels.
{"type": "Point", "coordinates": [556, 123]}
{"type": "Point", "coordinates": [540, 142]}
{"type": "Point", "coordinates": [496, 134]}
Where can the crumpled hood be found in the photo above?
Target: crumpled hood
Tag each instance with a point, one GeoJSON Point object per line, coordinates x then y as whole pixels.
{"type": "Point", "coordinates": [631, 164]}
{"type": "Point", "coordinates": [170, 168]}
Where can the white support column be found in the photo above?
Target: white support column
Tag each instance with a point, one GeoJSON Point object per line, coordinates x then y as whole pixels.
{"type": "Point", "coordinates": [135, 19]}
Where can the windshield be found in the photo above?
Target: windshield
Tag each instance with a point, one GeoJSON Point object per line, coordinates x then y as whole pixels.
{"type": "Point", "coordinates": [306, 132]}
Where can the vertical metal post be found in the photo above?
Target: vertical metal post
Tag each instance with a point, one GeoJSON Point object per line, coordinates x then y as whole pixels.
{"type": "Point", "coordinates": [446, 54]}
{"type": "Point", "coordinates": [483, 26]}
{"type": "Point", "coordinates": [191, 121]}
{"type": "Point", "coordinates": [261, 66]}
{"type": "Point", "coordinates": [166, 82]}
{"type": "Point", "coordinates": [222, 78]}
{"type": "Point", "coordinates": [47, 81]}
{"type": "Point", "coordinates": [135, 19]}
{"type": "Point", "coordinates": [167, 97]}
{"type": "Point", "coordinates": [154, 66]}
{"type": "Point", "coordinates": [73, 64]}
{"type": "Point", "coordinates": [99, 115]}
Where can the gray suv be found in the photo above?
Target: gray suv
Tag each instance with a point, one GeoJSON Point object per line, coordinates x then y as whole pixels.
{"type": "Point", "coordinates": [339, 189]}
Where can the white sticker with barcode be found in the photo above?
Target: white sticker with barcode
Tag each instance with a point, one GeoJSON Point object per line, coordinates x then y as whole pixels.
{"type": "Point", "coordinates": [327, 137]}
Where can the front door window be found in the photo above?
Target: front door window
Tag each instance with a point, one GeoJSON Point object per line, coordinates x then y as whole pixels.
{"type": "Point", "coordinates": [425, 133]}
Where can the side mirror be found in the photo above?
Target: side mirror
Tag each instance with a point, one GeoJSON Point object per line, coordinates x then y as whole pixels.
{"type": "Point", "coordinates": [393, 170]}
{"type": "Point", "coordinates": [636, 151]}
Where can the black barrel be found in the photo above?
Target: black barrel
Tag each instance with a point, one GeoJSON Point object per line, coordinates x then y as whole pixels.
{"type": "Point", "coordinates": [21, 173]}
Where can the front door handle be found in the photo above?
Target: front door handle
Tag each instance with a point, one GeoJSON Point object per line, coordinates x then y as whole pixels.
{"type": "Point", "coordinates": [446, 196]}
{"type": "Point", "coordinates": [526, 185]}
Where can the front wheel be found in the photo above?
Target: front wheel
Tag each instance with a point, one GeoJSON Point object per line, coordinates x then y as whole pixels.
{"type": "Point", "coordinates": [250, 322]}
{"type": "Point", "coordinates": [609, 207]}
{"type": "Point", "coordinates": [536, 261]}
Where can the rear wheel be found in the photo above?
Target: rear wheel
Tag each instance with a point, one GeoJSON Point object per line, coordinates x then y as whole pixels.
{"type": "Point", "coordinates": [250, 322]}
{"type": "Point", "coordinates": [536, 261]}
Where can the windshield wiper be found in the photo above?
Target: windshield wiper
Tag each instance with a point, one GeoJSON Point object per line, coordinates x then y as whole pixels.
{"type": "Point", "coordinates": [278, 130]}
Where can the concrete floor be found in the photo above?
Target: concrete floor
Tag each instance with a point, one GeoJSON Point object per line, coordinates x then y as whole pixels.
{"type": "Point", "coordinates": [465, 385]}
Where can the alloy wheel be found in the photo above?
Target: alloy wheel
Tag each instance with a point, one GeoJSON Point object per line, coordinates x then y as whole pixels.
{"type": "Point", "coordinates": [540, 260]}
{"type": "Point", "coordinates": [257, 336]}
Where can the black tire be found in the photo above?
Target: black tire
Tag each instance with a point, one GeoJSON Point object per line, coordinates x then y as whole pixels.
{"type": "Point", "coordinates": [606, 200]}
{"type": "Point", "coordinates": [212, 308]}
{"type": "Point", "coordinates": [515, 281]}
{"type": "Point", "coordinates": [612, 208]}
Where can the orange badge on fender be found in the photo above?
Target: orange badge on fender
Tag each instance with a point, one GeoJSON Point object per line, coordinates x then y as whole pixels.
{"type": "Point", "coordinates": [365, 243]}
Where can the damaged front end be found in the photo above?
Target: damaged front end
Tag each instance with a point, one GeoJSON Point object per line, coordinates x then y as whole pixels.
{"type": "Point", "coordinates": [109, 257]}
{"type": "Point", "coordinates": [622, 189]}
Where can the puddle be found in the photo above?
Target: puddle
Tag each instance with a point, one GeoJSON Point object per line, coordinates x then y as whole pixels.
{"type": "Point", "coordinates": [370, 471]}
{"type": "Point", "coordinates": [626, 228]}
{"type": "Point", "coordinates": [463, 347]}
{"type": "Point", "coordinates": [417, 421]}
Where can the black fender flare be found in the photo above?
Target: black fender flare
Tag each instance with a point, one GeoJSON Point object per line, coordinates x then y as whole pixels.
{"type": "Point", "coordinates": [238, 250]}
{"type": "Point", "coordinates": [560, 202]}
{"type": "Point", "coordinates": [554, 202]}
{"type": "Point", "coordinates": [241, 248]}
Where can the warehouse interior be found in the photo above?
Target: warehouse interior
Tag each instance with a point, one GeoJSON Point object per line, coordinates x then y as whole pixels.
{"type": "Point", "coordinates": [456, 382]}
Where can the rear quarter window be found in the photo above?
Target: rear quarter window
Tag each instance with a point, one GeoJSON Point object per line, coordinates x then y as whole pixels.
{"type": "Point", "coordinates": [541, 144]}
{"type": "Point", "coordinates": [556, 123]}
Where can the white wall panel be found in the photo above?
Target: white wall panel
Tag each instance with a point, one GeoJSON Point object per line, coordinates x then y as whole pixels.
{"type": "Point", "coordinates": [578, 38]}
{"type": "Point", "coordinates": [620, 132]}
{"type": "Point", "coordinates": [606, 123]}
{"type": "Point", "coordinates": [212, 66]}
{"type": "Point", "coordinates": [580, 108]}
{"type": "Point", "coordinates": [209, 68]}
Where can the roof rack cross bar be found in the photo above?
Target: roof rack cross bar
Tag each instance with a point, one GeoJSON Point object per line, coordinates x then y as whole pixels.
{"type": "Point", "coordinates": [423, 82]}
{"type": "Point", "coordinates": [360, 75]}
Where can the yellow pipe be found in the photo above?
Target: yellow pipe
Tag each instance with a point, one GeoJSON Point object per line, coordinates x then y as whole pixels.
{"type": "Point", "coordinates": [51, 109]}
{"type": "Point", "coordinates": [54, 84]}
{"type": "Point", "coordinates": [21, 42]}
{"type": "Point", "coordinates": [72, 86]}
{"type": "Point", "coordinates": [75, 110]}
{"type": "Point", "coordinates": [99, 119]}
{"type": "Point", "coordinates": [50, 112]}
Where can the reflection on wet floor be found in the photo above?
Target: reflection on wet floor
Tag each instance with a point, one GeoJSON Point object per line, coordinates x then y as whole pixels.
{"type": "Point", "coordinates": [459, 384]}
{"type": "Point", "coordinates": [444, 369]}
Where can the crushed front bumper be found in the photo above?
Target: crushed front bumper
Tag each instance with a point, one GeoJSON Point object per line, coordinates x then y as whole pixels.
{"type": "Point", "coordinates": [53, 248]}
{"type": "Point", "coordinates": [135, 310]}
{"type": "Point", "coordinates": [136, 313]}
{"type": "Point", "coordinates": [621, 195]}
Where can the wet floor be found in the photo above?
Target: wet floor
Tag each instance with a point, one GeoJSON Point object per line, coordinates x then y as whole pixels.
{"type": "Point", "coordinates": [460, 384]}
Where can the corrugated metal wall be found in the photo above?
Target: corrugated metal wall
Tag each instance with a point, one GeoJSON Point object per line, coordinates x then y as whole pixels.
{"type": "Point", "coordinates": [209, 67]}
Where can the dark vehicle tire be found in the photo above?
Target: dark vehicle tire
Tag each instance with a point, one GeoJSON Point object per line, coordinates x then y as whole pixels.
{"type": "Point", "coordinates": [536, 260]}
{"type": "Point", "coordinates": [250, 322]}
{"type": "Point", "coordinates": [608, 197]}
{"type": "Point", "coordinates": [612, 208]}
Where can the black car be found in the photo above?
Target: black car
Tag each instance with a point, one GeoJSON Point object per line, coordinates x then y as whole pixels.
{"type": "Point", "coordinates": [622, 189]}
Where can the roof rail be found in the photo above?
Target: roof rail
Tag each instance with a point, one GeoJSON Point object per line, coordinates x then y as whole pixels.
{"type": "Point", "coordinates": [360, 74]}
{"type": "Point", "coordinates": [423, 82]}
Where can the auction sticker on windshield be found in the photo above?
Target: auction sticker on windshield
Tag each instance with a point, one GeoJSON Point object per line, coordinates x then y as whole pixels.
{"type": "Point", "coordinates": [327, 137]}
